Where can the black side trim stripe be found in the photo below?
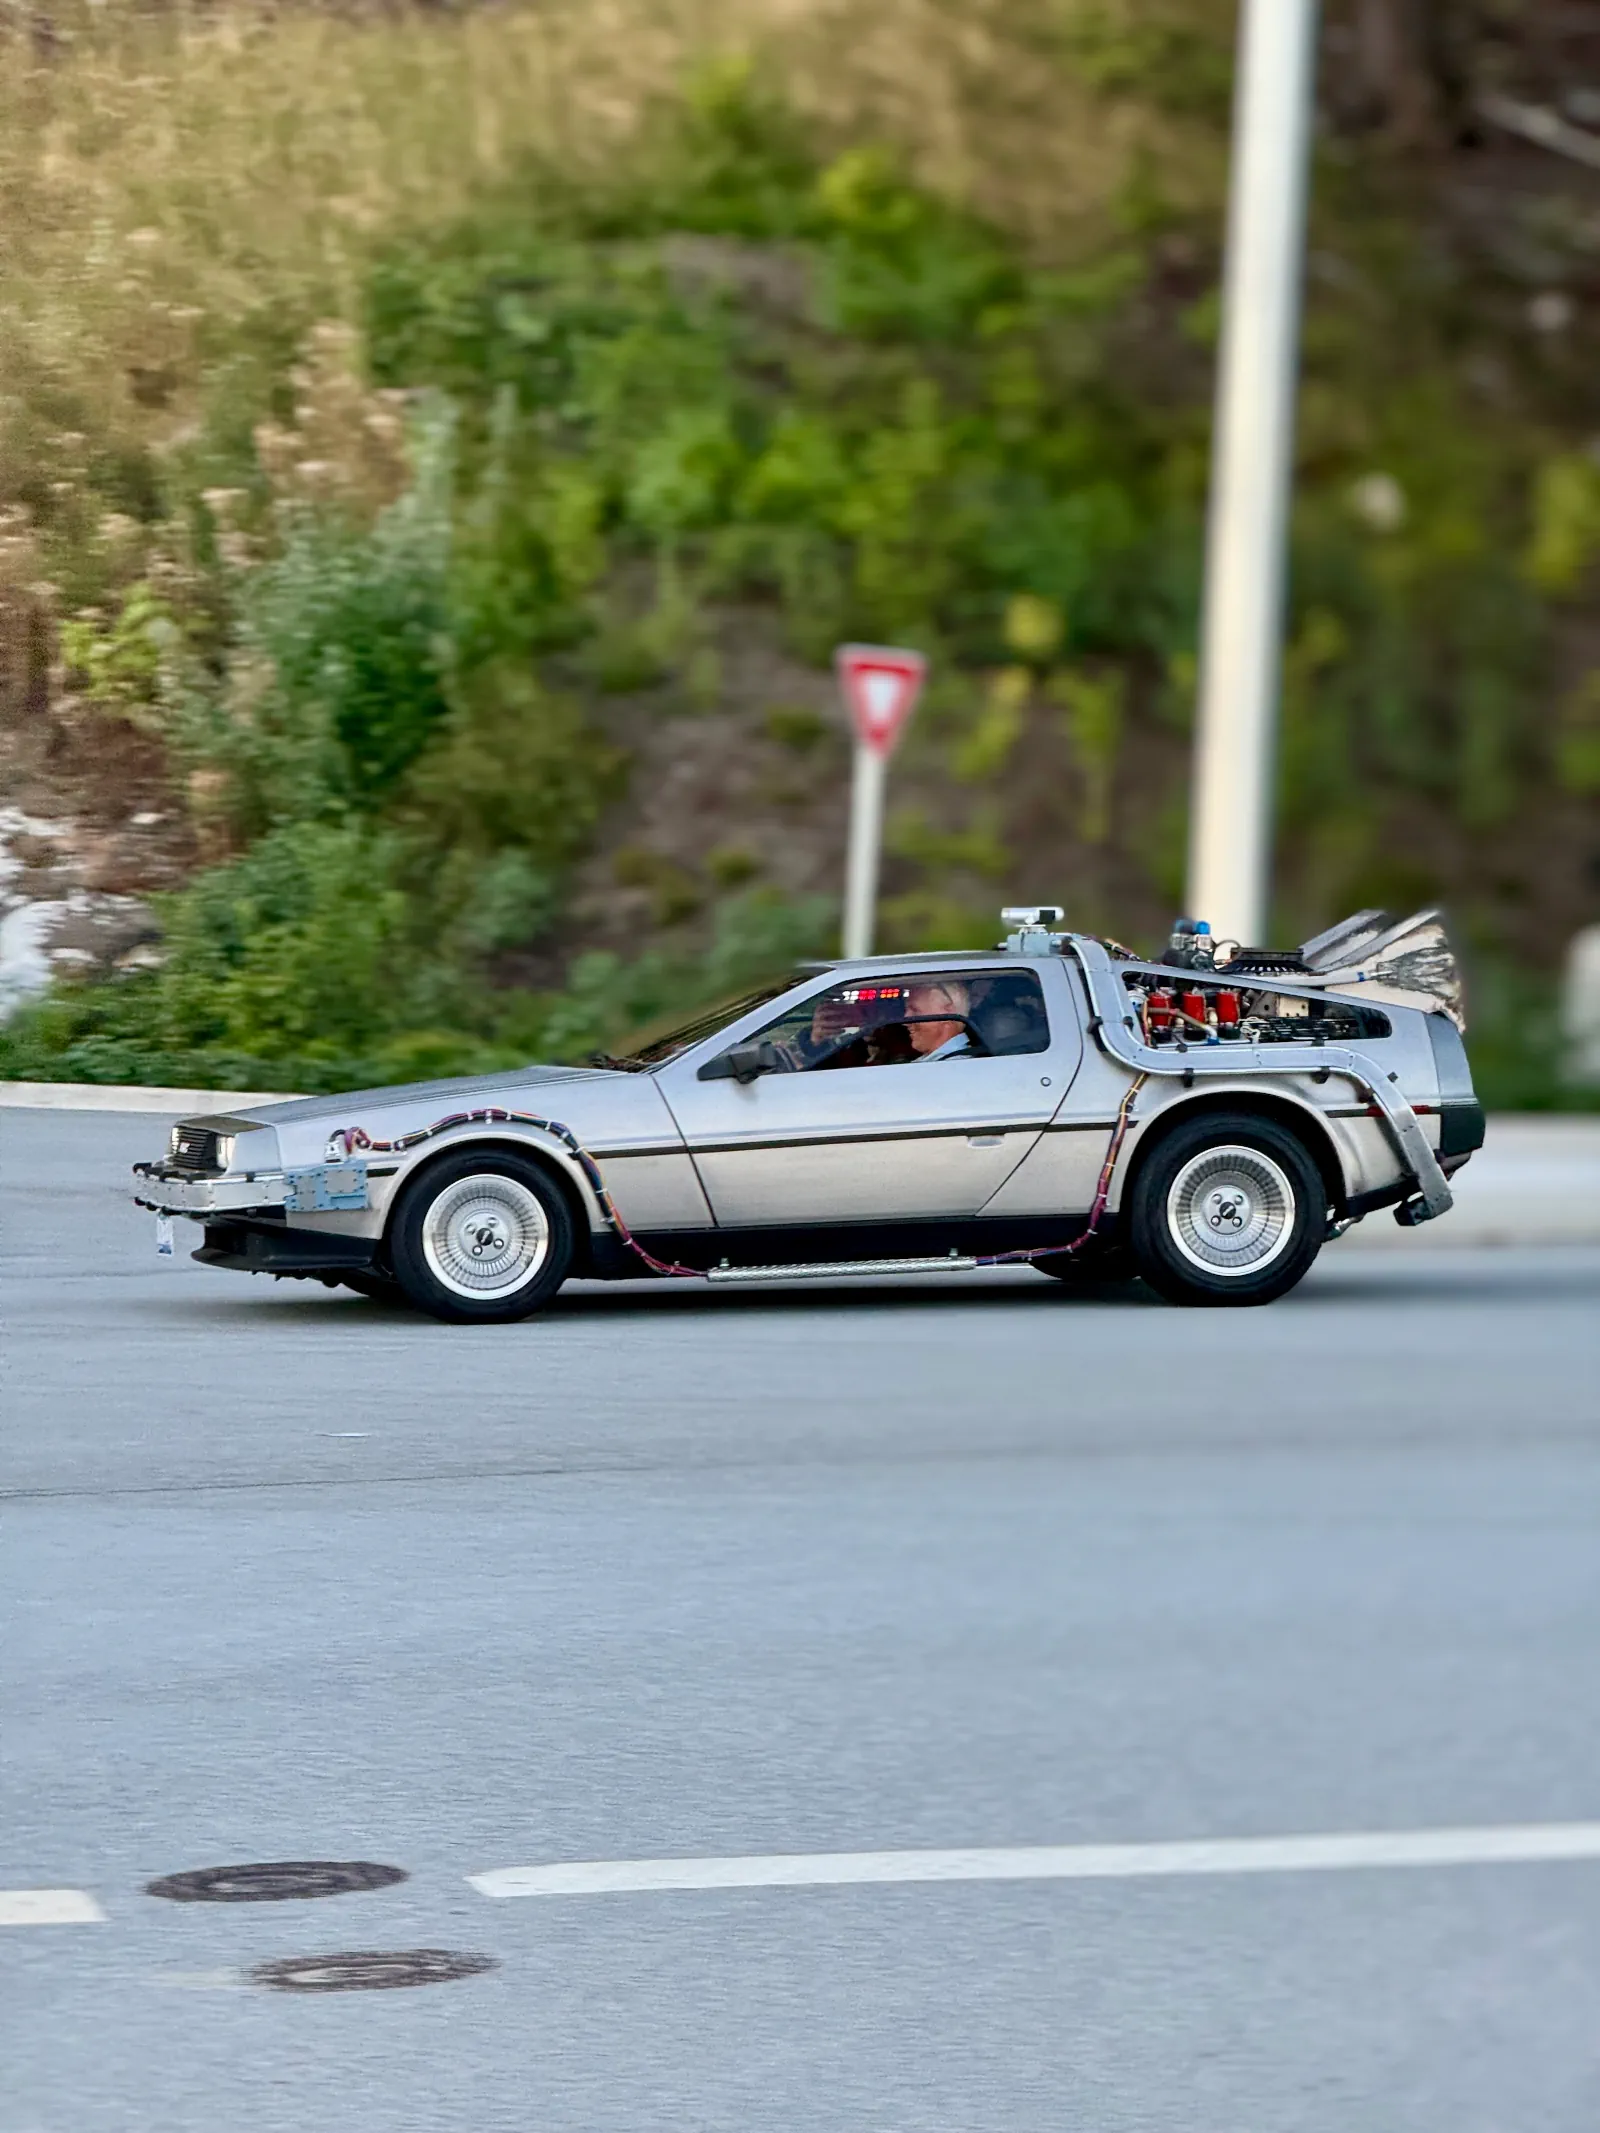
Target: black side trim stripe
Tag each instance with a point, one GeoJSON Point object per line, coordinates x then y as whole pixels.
{"type": "Point", "coordinates": [866, 1137]}
{"type": "Point", "coordinates": [622, 1155]}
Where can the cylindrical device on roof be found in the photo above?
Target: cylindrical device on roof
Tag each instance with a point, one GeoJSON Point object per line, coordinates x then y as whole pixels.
{"type": "Point", "coordinates": [1227, 1006]}
{"type": "Point", "coordinates": [1158, 1012]}
{"type": "Point", "coordinates": [1193, 1005]}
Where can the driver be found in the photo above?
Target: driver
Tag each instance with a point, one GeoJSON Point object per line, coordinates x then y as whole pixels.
{"type": "Point", "coordinates": [834, 1019]}
{"type": "Point", "coordinates": [933, 1036]}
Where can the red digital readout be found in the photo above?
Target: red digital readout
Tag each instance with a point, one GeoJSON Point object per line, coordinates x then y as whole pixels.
{"type": "Point", "coordinates": [854, 993]}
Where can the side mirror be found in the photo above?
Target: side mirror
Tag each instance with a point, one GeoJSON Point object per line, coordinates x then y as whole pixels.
{"type": "Point", "coordinates": [742, 1063]}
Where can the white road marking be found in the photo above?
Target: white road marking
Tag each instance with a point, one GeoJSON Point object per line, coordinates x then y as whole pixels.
{"type": "Point", "coordinates": [49, 1907]}
{"type": "Point", "coordinates": [1516, 1845]}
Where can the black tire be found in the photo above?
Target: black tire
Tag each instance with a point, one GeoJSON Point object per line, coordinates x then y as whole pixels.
{"type": "Point", "coordinates": [1096, 1263]}
{"type": "Point", "coordinates": [1228, 1209]}
{"type": "Point", "coordinates": [481, 1239]}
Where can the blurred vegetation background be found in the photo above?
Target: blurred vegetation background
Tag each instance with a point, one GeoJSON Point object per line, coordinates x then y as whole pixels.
{"type": "Point", "coordinates": [439, 449]}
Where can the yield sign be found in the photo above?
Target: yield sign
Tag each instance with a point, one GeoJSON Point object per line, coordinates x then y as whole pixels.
{"type": "Point", "coordinates": [881, 685]}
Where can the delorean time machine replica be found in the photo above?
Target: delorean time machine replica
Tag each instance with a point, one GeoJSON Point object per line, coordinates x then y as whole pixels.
{"type": "Point", "coordinates": [1208, 1121]}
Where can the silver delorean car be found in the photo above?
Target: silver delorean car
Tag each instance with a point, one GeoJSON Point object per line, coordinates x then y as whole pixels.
{"type": "Point", "coordinates": [1207, 1120]}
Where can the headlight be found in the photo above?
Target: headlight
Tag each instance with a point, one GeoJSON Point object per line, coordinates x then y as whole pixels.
{"type": "Point", "coordinates": [201, 1150]}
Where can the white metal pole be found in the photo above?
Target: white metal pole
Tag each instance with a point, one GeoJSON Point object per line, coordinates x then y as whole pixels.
{"type": "Point", "coordinates": [866, 840]}
{"type": "Point", "coordinates": [1230, 834]}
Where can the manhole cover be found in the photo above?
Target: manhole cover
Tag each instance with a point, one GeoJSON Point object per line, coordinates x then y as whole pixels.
{"type": "Point", "coordinates": [366, 1971]}
{"type": "Point", "coordinates": [274, 1880]}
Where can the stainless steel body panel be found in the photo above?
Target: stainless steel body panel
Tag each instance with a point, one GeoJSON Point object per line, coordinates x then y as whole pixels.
{"type": "Point", "coordinates": [659, 1190]}
{"type": "Point", "coordinates": [1059, 1174]}
{"type": "Point", "coordinates": [621, 1119]}
{"type": "Point", "coordinates": [934, 1138]}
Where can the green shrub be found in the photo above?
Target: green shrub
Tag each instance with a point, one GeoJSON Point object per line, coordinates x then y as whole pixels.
{"type": "Point", "coordinates": [796, 727]}
{"type": "Point", "coordinates": [338, 666]}
{"type": "Point", "coordinates": [293, 950]}
{"type": "Point", "coordinates": [512, 767]}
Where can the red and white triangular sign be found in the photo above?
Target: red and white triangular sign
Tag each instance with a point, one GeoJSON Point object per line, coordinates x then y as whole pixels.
{"type": "Point", "coordinates": [881, 684]}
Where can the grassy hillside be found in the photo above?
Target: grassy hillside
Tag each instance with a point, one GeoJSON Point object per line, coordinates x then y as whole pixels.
{"type": "Point", "coordinates": [438, 452]}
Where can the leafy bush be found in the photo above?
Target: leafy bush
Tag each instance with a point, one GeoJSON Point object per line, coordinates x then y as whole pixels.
{"type": "Point", "coordinates": [338, 665]}
{"type": "Point", "coordinates": [513, 768]}
{"type": "Point", "coordinates": [291, 950]}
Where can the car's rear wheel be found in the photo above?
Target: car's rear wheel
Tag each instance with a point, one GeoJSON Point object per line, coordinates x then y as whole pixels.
{"type": "Point", "coordinates": [1228, 1209]}
{"type": "Point", "coordinates": [479, 1239]}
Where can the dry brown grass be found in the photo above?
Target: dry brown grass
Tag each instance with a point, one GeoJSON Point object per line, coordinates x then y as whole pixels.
{"type": "Point", "coordinates": [162, 175]}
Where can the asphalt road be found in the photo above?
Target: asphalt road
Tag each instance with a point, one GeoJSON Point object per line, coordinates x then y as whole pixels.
{"type": "Point", "coordinates": [289, 1575]}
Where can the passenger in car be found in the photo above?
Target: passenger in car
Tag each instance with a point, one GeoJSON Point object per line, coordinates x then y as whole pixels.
{"type": "Point", "coordinates": [1010, 1017]}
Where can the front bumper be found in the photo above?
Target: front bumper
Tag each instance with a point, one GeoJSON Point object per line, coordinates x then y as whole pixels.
{"type": "Point", "coordinates": [316, 1189]}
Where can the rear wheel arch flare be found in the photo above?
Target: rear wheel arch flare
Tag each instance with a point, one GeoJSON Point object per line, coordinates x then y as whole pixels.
{"type": "Point", "coordinates": [1305, 1126]}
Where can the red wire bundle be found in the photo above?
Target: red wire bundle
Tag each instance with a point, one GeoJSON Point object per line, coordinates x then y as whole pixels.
{"type": "Point", "coordinates": [356, 1140]}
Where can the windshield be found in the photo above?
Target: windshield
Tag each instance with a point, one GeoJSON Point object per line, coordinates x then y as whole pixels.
{"type": "Point", "coordinates": [655, 1051]}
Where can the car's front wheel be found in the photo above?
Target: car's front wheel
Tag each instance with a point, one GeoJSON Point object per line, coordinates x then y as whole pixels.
{"type": "Point", "coordinates": [1229, 1209]}
{"type": "Point", "coordinates": [481, 1238]}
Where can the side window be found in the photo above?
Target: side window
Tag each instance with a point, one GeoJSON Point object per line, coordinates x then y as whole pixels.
{"type": "Point", "coordinates": [924, 1016]}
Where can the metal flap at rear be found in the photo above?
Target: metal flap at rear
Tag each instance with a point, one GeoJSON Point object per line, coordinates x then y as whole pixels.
{"type": "Point", "coordinates": [1407, 961]}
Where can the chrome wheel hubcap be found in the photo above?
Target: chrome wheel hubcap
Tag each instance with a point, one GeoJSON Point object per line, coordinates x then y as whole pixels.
{"type": "Point", "coordinates": [485, 1237]}
{"type": "Point", "coordinates": [1231, 1211]}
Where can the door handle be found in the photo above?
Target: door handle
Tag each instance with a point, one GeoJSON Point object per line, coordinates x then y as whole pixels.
{"type": "Point", "coordinates": [984, 1140]}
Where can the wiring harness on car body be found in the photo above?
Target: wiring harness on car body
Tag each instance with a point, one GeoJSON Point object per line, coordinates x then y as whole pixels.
{"type": "Point", "coordinates": [353, 1141]}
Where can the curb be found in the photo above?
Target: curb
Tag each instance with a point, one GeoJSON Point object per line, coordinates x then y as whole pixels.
{"type": "Point", "coordinates": [98, 1096]}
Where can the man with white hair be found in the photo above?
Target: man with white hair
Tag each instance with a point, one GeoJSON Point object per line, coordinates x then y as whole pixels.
{"type": "Point", "coordinates": [937, 1018]}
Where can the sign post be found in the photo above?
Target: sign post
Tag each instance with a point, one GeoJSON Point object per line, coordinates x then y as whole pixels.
{"type": "Point", "coordinates": [880, 684]}
{"type": "Point", "coordinates": [1230, 833]}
